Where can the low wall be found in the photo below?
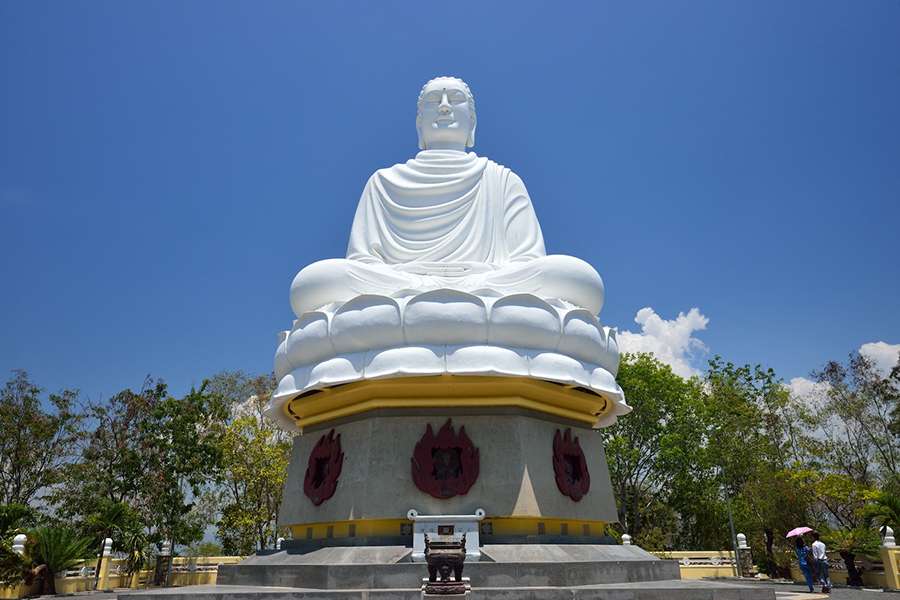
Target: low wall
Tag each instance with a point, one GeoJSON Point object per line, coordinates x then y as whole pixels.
{"type": "Point", "coordinates": [883, 574]}
{"type": "Point", "coordinates": [890, 562]}
{"type": "Point", "coordinates": [699, 564]}
{"type": "Point", "coordinates": [873, 573]}
{"type": "Point", "coordinates": [14, 592]}
{"type": "Point", "coordinates": [201, 570]}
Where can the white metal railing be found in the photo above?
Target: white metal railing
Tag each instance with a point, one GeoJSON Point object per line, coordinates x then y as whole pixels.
{"type": "Point", "coordinates": [714, 560]}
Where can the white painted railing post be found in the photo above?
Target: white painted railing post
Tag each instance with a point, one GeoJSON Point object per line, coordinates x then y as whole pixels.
{"type": "Point", "coordinates": [278, 543]}
{"type": "Point", "coordinates": [741, 564]}
{"type": "Point", "coordinates": [19, 544]}
{"type": "Point", "coordinates": [888, 541]}
{"type": "Point", "coordinates": [165, 553]}
{"type": "Point", "coordinates": [626, 539]}
{"type": "Point", "coordinates": [103, 576]}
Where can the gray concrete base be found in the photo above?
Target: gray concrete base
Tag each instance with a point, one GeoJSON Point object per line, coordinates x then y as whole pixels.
{"type": "Point", "coordinates": [654, 590]}
{"type": "Point", "coordinates": [516, 477]}
{"type": "Point", "coordinates": [507, 572]}
{"type": "Point", "coordinates": [502, 566]}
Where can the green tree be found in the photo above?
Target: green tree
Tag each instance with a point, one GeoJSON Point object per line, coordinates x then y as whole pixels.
{"type": "Point", "coordinates": [770, 504]}
{"type": "Point", "coordinates": [12, 567]}
{"type": "Point", "coordinates": [206, 549]}
{"type": "Point", "coordinates": [57, 549]}
{"type": "Point", "coordinates": [850, 543]}
{"type": "Point", "coordinates": [135, 545]}
{"type": "Point", "coordinates": [255, 455]}
{"type": "Point", "coordinates": [884, 509]}
{"type": "Point", "coordinates": [111, 464]}
{"type": "Point", "coordinates": [145, 462]}
{"type": "Point", "coordinates": [114, 520]}
{"type": "Point", "coordinates": [656, 440]}
{"type": "Point", "coordinates": [15, 518]}
{"type": "Point", "coordinates": [104, 492]}
{"type": "Point", "coordinates": [753, 438]}
{"type": "Point", "coordinates": [838, 501]}
{"type": "Point", "coordinates": [854, 426]}
{"type": "Point", "coordinates": [36, 443]}
{"type": "Point", "coordinates": [182, 459]}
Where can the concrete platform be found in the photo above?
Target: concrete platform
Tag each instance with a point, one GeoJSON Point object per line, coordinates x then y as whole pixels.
{"type": "Point", "coordinates": [503, 566]}
{"type": "Point", "coordinates": [507, 572]}
{"type": "Point", "coordinates": [655, 590]}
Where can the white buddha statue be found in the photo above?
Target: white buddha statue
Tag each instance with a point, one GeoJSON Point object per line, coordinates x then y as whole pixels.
{"type": "Point", "coordinates": [446, 219]}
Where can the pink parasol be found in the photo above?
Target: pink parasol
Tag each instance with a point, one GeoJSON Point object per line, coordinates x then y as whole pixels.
{"type": "Point", "coordinates": [798, 531]}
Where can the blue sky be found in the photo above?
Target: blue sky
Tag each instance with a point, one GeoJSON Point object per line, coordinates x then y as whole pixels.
{"type": "Point", "coordinates": [166, 168]}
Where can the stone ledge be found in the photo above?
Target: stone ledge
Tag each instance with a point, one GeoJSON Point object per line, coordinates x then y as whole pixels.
{"type": "Point", "coordinates": [562, 566]}
{"type": "Point", "coordinates": [654, 590]}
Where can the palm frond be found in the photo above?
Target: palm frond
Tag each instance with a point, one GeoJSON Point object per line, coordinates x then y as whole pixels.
{"type": "Point", "coordinates": [60, 548]}
{"type": "Point", "coordinates": [885, 509]}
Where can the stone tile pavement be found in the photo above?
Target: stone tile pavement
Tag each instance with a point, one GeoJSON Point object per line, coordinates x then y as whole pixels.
{"type": "Point", "coordinates": [792, 591]}
{"type": "Point", "coordinates": [782, 592]}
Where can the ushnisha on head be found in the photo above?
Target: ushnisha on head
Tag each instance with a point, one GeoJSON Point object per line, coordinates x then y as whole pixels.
{"type": "Point", "coordinates": [445, 116]}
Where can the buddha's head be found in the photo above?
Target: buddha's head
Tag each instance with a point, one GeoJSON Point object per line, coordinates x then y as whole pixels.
{"type": "Point", "coordinates": [445, 118]}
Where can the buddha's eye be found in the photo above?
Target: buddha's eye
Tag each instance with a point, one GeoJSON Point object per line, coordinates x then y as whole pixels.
{"type": "Point", "coordinates": [453, 97]}
{"type": "Point", "coordinates": [456, 97]}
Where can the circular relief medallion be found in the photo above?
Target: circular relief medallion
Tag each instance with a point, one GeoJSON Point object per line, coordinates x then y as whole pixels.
{"type": "Point", "coordinates": [446, 464]}
{"type": "Point", "coordinates": [570, 467]}
{"type": "Point", "coordinates": [324, 468]}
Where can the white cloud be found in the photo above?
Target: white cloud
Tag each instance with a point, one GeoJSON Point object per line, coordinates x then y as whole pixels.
{"type": "Point", "coordinates": [670, 341]}
{"type": "Point", "coordinates": [248, 408]}
{"type": "Point", "coordinates": [807, 389]}
{"type": "Point", "coordinates": [883, 355]}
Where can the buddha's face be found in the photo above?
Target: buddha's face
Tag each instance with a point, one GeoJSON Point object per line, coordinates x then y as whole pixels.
{"type": "Point", "coordinates": [445, 118]}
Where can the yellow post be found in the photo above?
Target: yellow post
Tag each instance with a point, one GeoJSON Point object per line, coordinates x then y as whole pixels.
{"type": "Point", "coordinates": [103, 580]}
{"type": "Point", "coordinates": [135, 580]}
{"type": "Point", "coordinates": [890, 556]}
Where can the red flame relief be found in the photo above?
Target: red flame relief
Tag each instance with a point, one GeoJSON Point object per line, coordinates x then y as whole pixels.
{"type": "Point", "coordinates": [324, 468]}
{"type": "Point", "coordinates": [570, 466]}
{"type": "Point", "coordinates": [445, 465]}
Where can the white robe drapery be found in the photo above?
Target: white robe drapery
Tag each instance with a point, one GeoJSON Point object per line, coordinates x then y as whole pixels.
{"type": "Point", "coordinates": [446, 219]}
{"type": "Point", "coordinates": [445, 206]}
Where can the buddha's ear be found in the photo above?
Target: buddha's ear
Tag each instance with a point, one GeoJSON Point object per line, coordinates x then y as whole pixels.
{"type": "Point", "coordinates": [419, 133]}
{"type": "Point", "coordinates": [471, 141]}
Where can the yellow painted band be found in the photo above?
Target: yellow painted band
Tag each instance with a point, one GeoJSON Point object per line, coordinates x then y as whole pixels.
{"type": "Point", "coordinates": [447, 391]}
{"type": "Point", "coordinates": [496, 525]}
{"type": "Point", "coordinates": [378, 403]}
{"type": "Point", "coordinates": [354, 528]}
{"type": "Point", "coordinates": [544, 526]}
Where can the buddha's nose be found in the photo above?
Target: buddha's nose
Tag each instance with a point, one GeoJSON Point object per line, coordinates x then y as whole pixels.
{"type": "Point", "coordinates": [444, 106]}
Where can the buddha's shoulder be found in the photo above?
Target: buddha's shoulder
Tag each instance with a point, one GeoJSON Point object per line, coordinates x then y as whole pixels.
{"type": "Point", "coordinates": [508, 176]}
{"type": "Point", "coordinates": [500, 167]}
{"type": "Point", "coordinates": [471, 162]}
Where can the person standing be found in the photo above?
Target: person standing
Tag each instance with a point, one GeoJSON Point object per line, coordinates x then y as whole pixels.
{"type": "Point", "coordinates": [803, 558]}
{"type": "Point", "coordinates": [821, 562]}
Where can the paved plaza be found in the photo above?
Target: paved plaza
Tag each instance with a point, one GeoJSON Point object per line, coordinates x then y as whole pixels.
{"type": "Point", "coordinates": [792, 591]}
{"type": "Point", "coordinates": [782, 592]}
